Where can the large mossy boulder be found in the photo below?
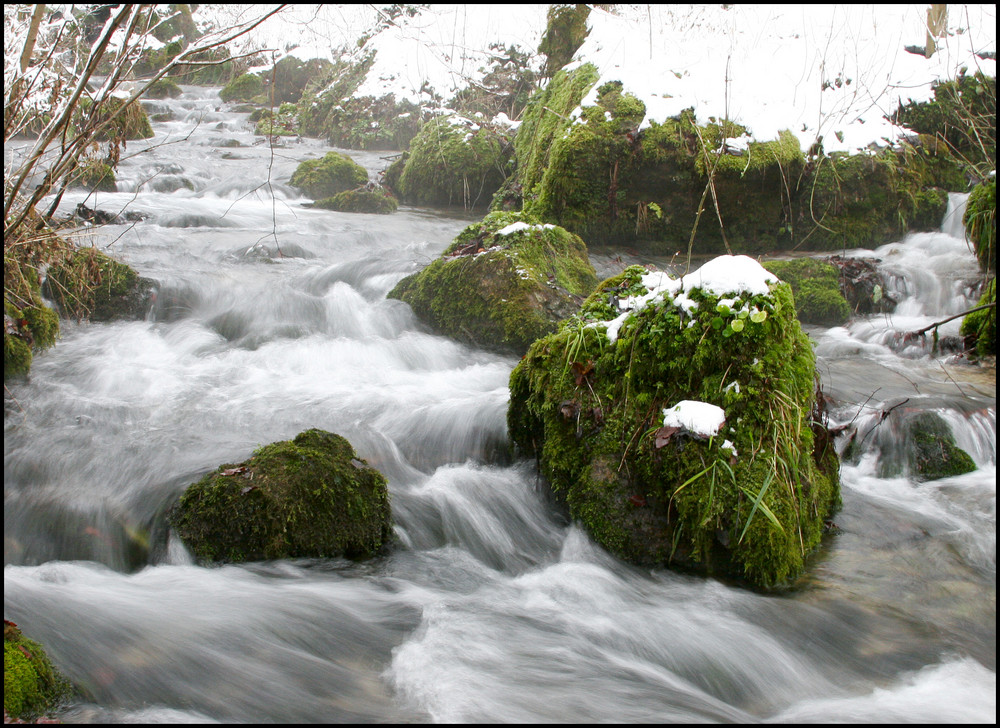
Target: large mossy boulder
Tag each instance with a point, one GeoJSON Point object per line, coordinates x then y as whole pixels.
{"type": "Point", "coordinates": [307, 497]}
{"type": "Point", "coordinates": [32, 686]}
{"type": "Point", "coordinates": [89, 284]}
{"type": "Point", "coordinates": [677, 420]}
{"type": "Point", "coordinates": [455, 161]}
{"type": "Point", "coordinates": [502, 283]}
{"type": "Point", "coordinates": [325, 177]}
{"type": "Point", "coordinates": [816, 287]}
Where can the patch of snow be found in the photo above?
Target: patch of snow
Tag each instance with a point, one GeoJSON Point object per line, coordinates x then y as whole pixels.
{"type": "Point", "coordinates": [701, 418]}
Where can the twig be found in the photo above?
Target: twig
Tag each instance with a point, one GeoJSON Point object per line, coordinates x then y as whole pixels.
{"type": "Point", "coordinates": [924, 330]}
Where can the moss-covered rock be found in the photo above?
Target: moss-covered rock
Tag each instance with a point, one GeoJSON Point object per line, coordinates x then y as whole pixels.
{"type": "Point", "coordinates": [284, 122]}
{"type": "Point", "coordinates": [595, 402]}
{"type": "Point", "coordinates": [980, 221]}
{"type": "Point", "coordinates": [96, 176]}
{"type": "Point", "coordinates": [816, 287]}
{"type": "Point", "coordinates": [980, 327]}
{"type": "Point", "coordinates": [32, 686]}
{"type": "Point", "coordinates": [165, 88]}
{"type": "Point", "coordinates": [455, 161]}
{"type": "Point", "coordinates": [919, 444]}
{"type": "Point", "coordinates": [242, 88]}
{"type": "Point", "coordinates": [89, 284]}
{"type": "Point", "coordinates": [29, 325]}
{"type": "Point", "coordinates": [327, 176]}
{"type": "Point", "coordinates": [543, 120]}
{"type": "Point", "coordinates": [131, 123]}
{"type": "Point", "coordinates": [502, 283]}
{"type": "Point", "coordinates": [867, 199]}
{"type": "Point", "coordinates": [583, 162]}
{"type": "Point", "coordinates": [306, 497]}
{"type": "Point", "coordinates": [377, 201]}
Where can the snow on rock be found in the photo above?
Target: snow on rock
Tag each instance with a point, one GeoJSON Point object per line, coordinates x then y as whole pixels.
{"type": "Point", "coordinates": [700, 418]}
{"type": "Point", "coordinates": [516, 227]}
{"type": "Point", "coordinates": [726, 275]}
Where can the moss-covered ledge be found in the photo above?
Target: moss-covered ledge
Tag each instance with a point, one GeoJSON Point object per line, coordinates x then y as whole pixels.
{"type": "Point", "coordinates": [816, 288]}
{"type": "Point", "coordinates": [306, 497]}
{"type": "Point", "coordinates": [89, 284]}
{"type": "Point", "coordinates": [502, 283]}
{"type": "Point", "coordinates": [604, 404]}
{"type": "Point", "coordinates": [32, 686]}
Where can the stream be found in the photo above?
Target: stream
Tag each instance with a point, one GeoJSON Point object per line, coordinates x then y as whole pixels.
{"type": "Point", "coordinates": [272, 318]}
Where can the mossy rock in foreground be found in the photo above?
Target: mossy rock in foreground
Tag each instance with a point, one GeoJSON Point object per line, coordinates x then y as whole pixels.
{"type": "Point", "coordinates": [816, 287]}
{"type": "Point", "coordinates": [503, 282]}
{"type": "Point", "coordinates": [328, 176]}
{"type": "Point", "coordinates": [306, 497]}
{"type": "Point", "coordinates": [31, 684]}
{"type": "Point", "coordinates": [92, 285]}
{"type": "Point", "coordinates": [379, 202]}
{"type": "Point", "coordinates": [749, 502]}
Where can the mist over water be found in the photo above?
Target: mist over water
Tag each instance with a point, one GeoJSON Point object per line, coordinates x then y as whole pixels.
{"type": "Point", "coordinates": [271, 318]}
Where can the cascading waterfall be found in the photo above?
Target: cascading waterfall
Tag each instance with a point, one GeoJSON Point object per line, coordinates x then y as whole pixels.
{"type": "Point", "coordinates": [271, 318]}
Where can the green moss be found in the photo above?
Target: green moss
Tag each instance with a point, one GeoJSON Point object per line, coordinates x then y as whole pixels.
{"type": "Point", "coordinates": [454, 161]}
{"type": "Point", "coordinates": [501, 291]}
{"type": "Point", "coordinates": [591, 410]}
{"type": "Point", "coordinates": [865, 200]}
{"type": "Point", "coordinates": [544, 118]}
{"type": "Point", "coordinates": [565, 31]}
{"type": "Point", "coordinates": [243, 88]}
{"type": "Point", "coordinates": [165, 88]}
{"type": "Point", "coordinates": [132, 123]}
{"type": "Point", "coordinates": [90, 284]}
{"type": "Point", "coordinates": [816, 287]}
{"type": "Point", "coordinates": [306, 497]}
{"type": "Point", "coordinates": [935, 454]}
{"type": "Point", "coordinates": [325, 177]}
{"type": "Point", "coordinates": [980, 221]}
{"type": "Point", "coordinates": [97, 176]}
{"type": "Point", "coordinates": [378, 202]}
{"type": "Point", "coordinates": [31, 684]}
{"type": "Point", "coordinates": [980, 327]}
{"type": "Point", "coordinates": [962, 114]}
{"type": "Point", "coordinates": [33, 327]}
{"type": "Point", "coordinates": [284, 122]}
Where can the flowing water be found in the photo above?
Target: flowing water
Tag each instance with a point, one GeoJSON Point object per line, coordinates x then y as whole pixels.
{"type": "Point", "coordinates": [271, 318]}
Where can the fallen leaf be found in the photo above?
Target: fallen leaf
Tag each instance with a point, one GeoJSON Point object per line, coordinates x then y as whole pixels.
{"type": "Point", "coordinates": [664, 434]}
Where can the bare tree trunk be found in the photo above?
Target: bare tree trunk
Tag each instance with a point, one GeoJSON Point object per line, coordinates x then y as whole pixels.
{"type": "Point", "coordinates": [937, 17]}
{"type": "Point", "coordinates": [29, 41]}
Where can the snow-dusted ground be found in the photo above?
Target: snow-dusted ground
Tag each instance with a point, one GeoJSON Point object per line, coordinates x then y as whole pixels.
{"type": "Point", "coordinates": [817, 70]}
